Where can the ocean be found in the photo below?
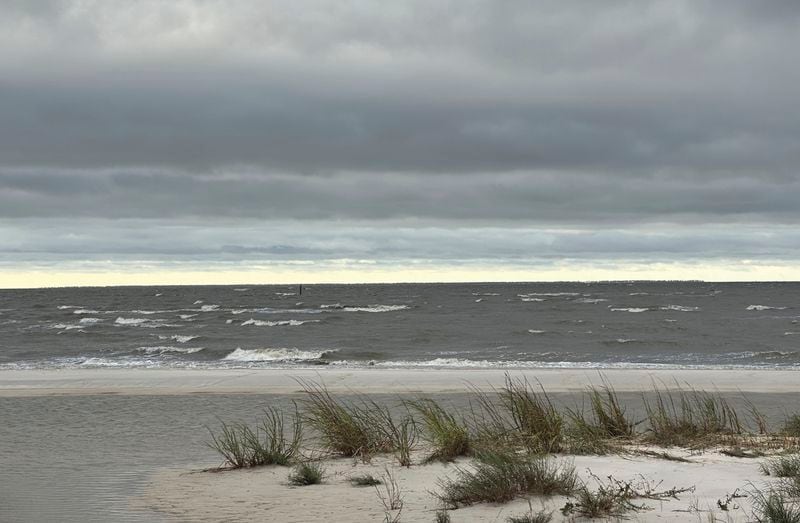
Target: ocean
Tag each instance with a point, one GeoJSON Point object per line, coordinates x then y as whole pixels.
{"type": "Point", "coordinates": [506, 325]}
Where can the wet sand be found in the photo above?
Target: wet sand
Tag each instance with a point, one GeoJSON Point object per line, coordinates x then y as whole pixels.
{"type": "Point", "coordinates": [284, 381]}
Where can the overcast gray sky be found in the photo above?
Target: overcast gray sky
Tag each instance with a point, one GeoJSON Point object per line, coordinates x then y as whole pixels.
{"type": "Point", "coordinates": [475, 139]}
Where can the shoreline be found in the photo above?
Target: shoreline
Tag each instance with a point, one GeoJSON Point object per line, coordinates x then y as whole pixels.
{"type": "Point", "coordinates": [147, 382]}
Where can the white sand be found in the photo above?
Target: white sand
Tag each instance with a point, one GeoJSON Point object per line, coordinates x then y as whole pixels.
{"type": "Point", "coordinates": [264, 494]}
{"type": "Point", "coordinates": [282, 381]}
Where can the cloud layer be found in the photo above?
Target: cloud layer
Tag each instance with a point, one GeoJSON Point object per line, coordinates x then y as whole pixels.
{"type": "Point", "coordinates": [618, 121]}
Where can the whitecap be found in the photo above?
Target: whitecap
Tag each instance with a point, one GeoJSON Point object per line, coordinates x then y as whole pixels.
{"type": "Point", "coordinates": [681, 308]}
{"type": "Point", "coordinates": [286, 294]}
{"type": "Point", "coordinates": [243, 289]}
{"type": "Point", "coordinates": [208, 308]}
{"type": "Point", "coordinates": [162, 349]}
{"type": "Point", "coordinates": [479, 300]}
{"type": "Point", "coordinates": [589, 300]}
{"type": "Point", "coordinates": [377, 308]}
{"type": "Point", "coordinates": [85, 311]}
{"type": "Point", "coordinates": [198, 302]}
{"type": "Point", "coordinates": [763, 308]}
{"type": "Point", "coordinates": [536, 331]}
{"type": "Point", "coordinates": [130, 321]}
{"type": "Point", "coordinates": [262, 323]}
{"type": "Point", "coordinates": [630, 309]}
{"type": "Point", "coordinates": [90, 321]}
{"type": "Point", "coordinates": [276, 355]}
{"type": "Point", "coordinates": [186, 316]}
{"type": "Point", "coordinates": [180, 338]}
{"type": "Point", "coordinates": [331, 306]}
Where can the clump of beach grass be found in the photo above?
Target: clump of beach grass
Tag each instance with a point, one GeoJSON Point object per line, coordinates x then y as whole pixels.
{"type": "Point", "coordinates": [791, 426]}
{"type": "Point", "coordinates": [541, 516]}
{"type": "Point", "coordinates": [610, 417]}
{"type": "Point", "coordinates": [346, 429]}
{"type": "Point", "coordinates": [402, 435]}
{"type": "Point", "coordinates": [268, 444]}
{"type": "Point", "coordinates": [442, 516]}
{"type": "Point", "coordinates": [687, 416]}
{"type": "Point", "coordinates": [501, 476]}
{"type": "Point", "coordinates": [448, 437]}
{"type": "Point", "coordinates": [534, 418]}
{"type": "Point", "coordinates": [774, 506]}
{"type": "Point", "coordinates": [308, 473]}
{"type": "Point", "coordinates": [782, 466]}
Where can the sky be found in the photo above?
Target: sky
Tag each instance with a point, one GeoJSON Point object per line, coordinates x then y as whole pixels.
{"type": "Point", "coordinates": [265, 141]}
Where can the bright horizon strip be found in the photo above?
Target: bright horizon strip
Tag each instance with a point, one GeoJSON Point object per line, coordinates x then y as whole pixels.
{"type": "Point", "coordinates": [321, 273]}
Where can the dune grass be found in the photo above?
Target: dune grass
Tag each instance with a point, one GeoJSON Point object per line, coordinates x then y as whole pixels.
{"type": "Point", "coordinates": [774, 506]}
{"type": "Point", "coordinates": [791, 426]}
{"type": "Point", "coordinates": [349, 430]}
{"type": "Point", "coordinates": [268, 444]}
{"type": "Point", "coordinates": [448, 437]}
{"type": "Point", "coordinates": [687, 416]}
{"type": "Point", "coordinates": [307, 473]}
{"type": "Point", "coordinates": [498, 477]}
{"type": "Point", "coordinates": [782, 466]}
{"type": "Point", "coordinates": [534, 418]}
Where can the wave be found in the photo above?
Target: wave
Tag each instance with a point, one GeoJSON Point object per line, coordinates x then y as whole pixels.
{"type": "Point", "coordinates": [630, 309]}
{"type": "Point", "coordinates": [68, 326]}
{"type": "Point", "coordinates": [85, 311]}
{"type": "Point", "coordinates": [550, 294]}
{"type": "Point", "coordinates": [279, 323]}
{"type": "Point", "coordinates": [681, 308]}
{"type": "Point", "coordinates": [535, 331]}
{"type": "Point", "coordinates": [486, 294]}
{"type": "Point", "coordinates": [64, 307]}
{"type": "Point", "coordinates": [130, 321]}
{"type": "Point", "coordinates": [285, 294]}
{"type": "Point", "coordinates": [276, 355]}
{"type": "Point", "coordinates": [270, 310]}
{"type": "Point", "coordinates": [197, 302]}
{"type": "Point", "coordinates": [479, 300]}
{"type": "Point", "coordinates": [89, 321]}
{"type": "Point", "coordinates": [243, 289]}
{"type": "Point", "coordinates": [143, 322]}
{"type": "Point", "coordinates": [162, 349]}
{"type": "Point", "coordinates": [179, 338]}
{"type": "Point", "coordinates": [589, 300]}
{"type": "Point", "coordinates": [368, 308]}
{"type": "Point", "coordinates": [763, 308]}
{"type": "Point", "coordinates": [186, 316]}
{"type": "Point", "coordinates": [208, 308]}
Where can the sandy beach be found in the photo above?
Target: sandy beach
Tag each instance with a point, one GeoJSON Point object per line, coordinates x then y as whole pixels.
{"type": "Point", "coordinates": [284, 381]}
{"type": "Point", "coordinates": [185, 492]}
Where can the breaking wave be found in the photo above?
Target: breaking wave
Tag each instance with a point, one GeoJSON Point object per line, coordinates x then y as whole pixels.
{"type": "Point", "coordinates": [630, 309]}
{"type": "Point", "coordinates": [763, 308]}
{"type": "Point", "coordinates": [279, 323]}
{"type": "Point", "coordinates": [681, 308]}
{"type": "Point", "coordinates": [276, 355]}
{"type": "Point", "coordinates": [166, 349]}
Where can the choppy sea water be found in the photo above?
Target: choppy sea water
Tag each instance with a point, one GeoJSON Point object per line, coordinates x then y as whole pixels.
{"type": "Point", "coordinates": [621, 324]}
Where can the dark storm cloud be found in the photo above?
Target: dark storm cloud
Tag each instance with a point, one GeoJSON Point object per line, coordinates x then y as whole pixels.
{"type": "Point", "coordinates": [595, 116]}
{"type": "Point", "coordinates": [542, 197]}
